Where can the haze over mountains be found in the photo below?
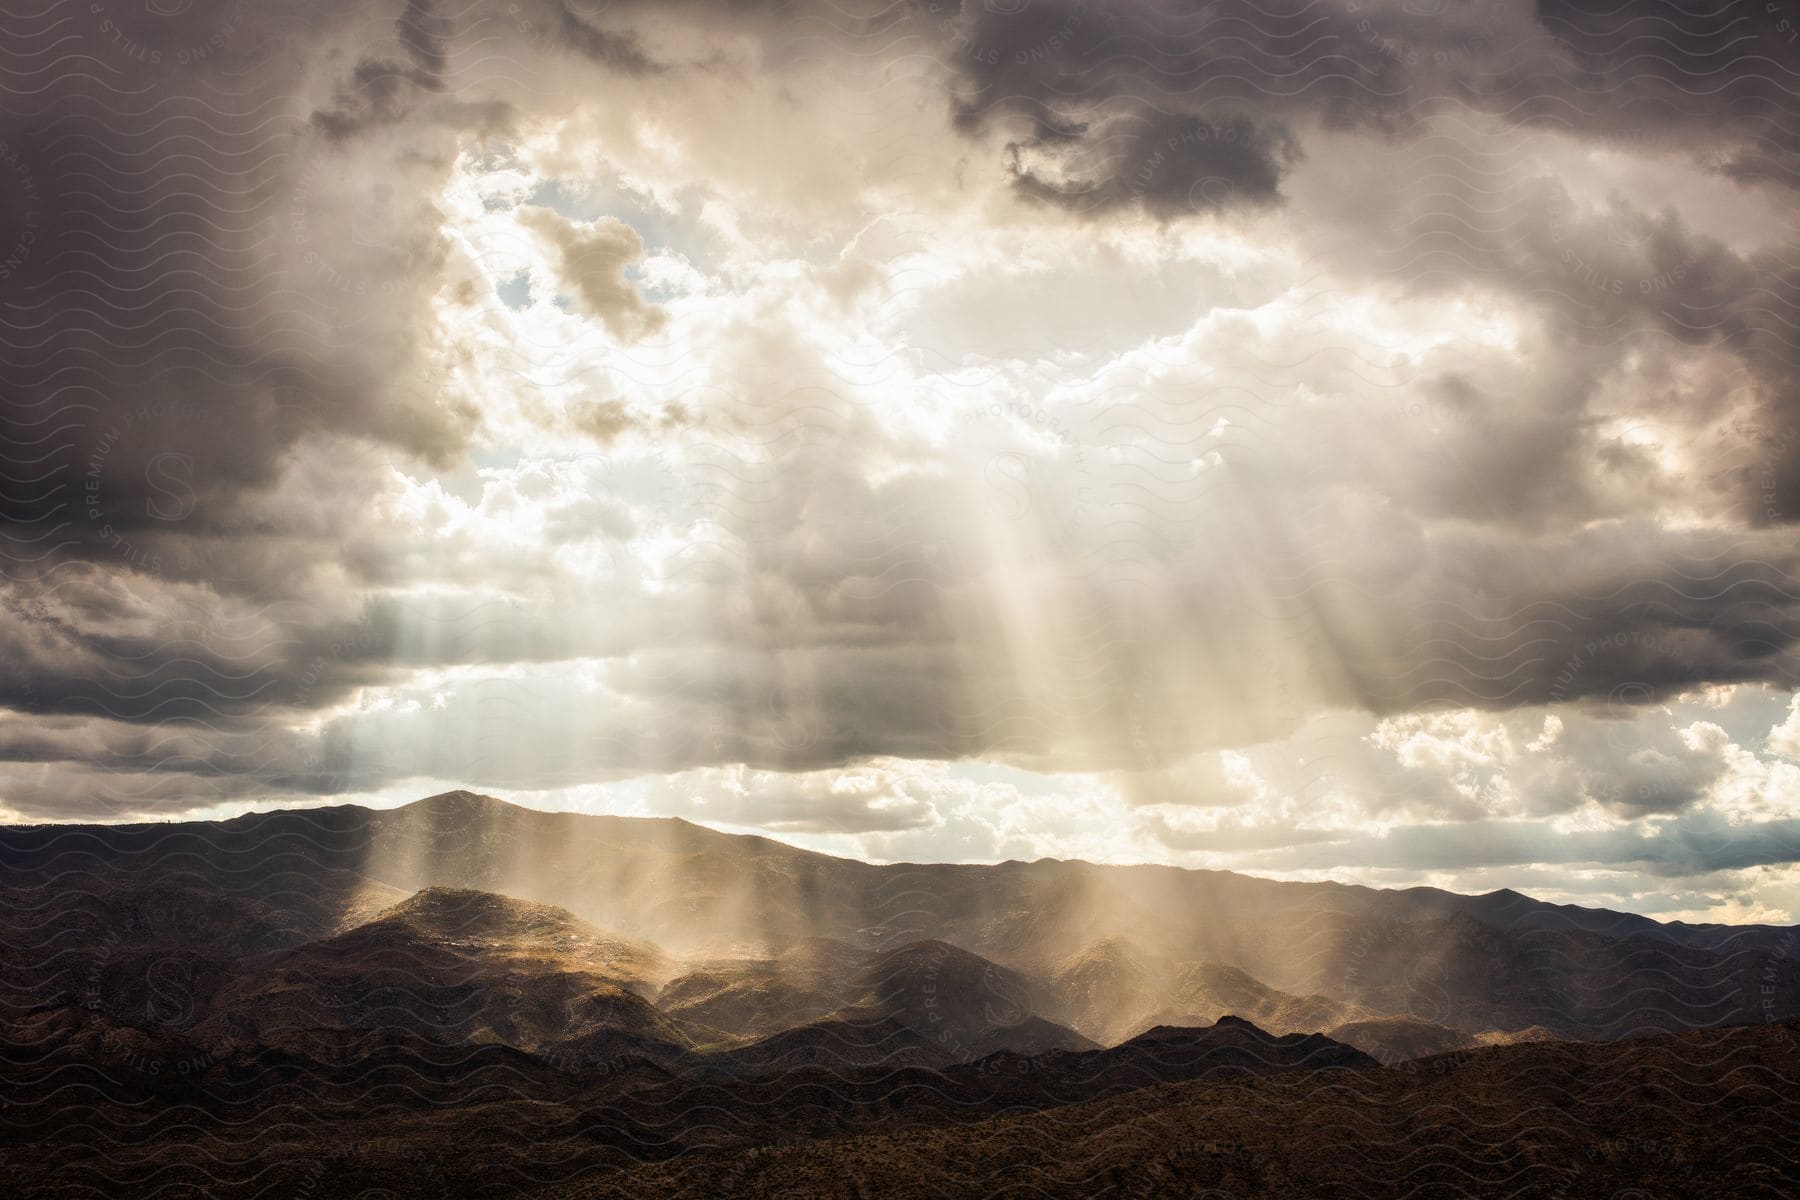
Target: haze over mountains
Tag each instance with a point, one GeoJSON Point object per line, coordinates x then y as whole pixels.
{"type": "Point", "coordinates": [652, 989]}
{"type": "Point", "coordinates": [674, 932]}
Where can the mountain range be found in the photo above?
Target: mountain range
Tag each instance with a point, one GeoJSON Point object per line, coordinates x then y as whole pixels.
{"type": "Point", "coordinates": [665, 1003]}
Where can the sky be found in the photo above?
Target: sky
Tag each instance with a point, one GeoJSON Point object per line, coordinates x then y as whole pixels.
{"type": "Point", "coordinates": [1349, 439]}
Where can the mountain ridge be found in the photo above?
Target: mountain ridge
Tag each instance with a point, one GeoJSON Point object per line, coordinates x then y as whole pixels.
{"type": "Point", "coordinates": [1114, 947]}
{"type": "Point", "coordinates": [446, 803]}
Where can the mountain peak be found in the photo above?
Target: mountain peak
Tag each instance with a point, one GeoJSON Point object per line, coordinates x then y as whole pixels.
{"type": "Point", "coordinates": [1230, 1021]}
{"type": "Point", "coordinates": [461, 800]}
{"type": "Point", "coordinates": [1200, 1033]}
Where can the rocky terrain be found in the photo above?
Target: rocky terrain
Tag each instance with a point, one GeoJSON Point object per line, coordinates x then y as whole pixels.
{"type": "Point", "coordinates": [1707, 1114]}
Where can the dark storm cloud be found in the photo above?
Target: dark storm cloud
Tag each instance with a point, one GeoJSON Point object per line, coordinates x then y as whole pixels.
{"type": "Point", "coordinates": [103, 644]}
{"type": "Point", "coordinates": [1590, 617]}
{"type": "Point", "coordinates": [1717, 73]}
{"type": "Point", "coordinates": [426, 36]}
{"type": "Point", "coordinates": [1170, 166]}
{"type": "Point", "coordinates": [221, 249]}
{"type": "Point", "coordinates": [611, 48]}
{"type": "Point", "coordinates": [165, 350]}
{"type": "Point", "coordinates": [385, 91]}
{"type": "Point", "coordinates": [144, 368]}
{"type": "Point", "coordinates": [1614, 279]}
{"type": "Point", "coordinates": [377, 93]}
{"type": "Point", "coordinates": [180, 335]}
{"type": "Point", "coordinates": [1100, 89]}
{"type": "Point", "coordinates": [1713, 84]}
{"type": "Point", "coordinates": [1145, 106]}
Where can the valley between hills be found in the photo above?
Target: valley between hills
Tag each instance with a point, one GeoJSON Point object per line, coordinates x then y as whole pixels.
{"type": "Point", "coordinates": [461, 997]}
